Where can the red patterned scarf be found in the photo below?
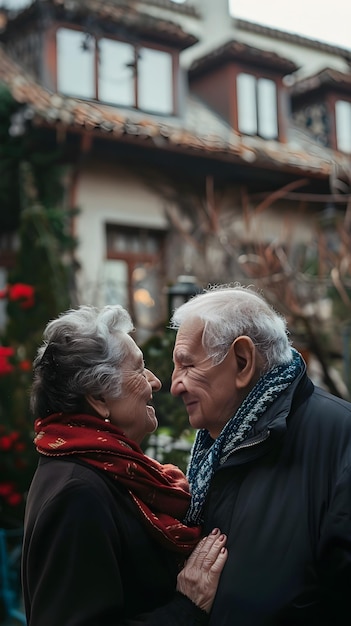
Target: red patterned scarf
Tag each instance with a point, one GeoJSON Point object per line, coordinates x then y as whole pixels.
{"type": "Point", "coordinates": [161, 492]}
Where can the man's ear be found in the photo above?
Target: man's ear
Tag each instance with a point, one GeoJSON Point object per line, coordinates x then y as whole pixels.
{"type": "Point", "coordinates": [246, 360]}
{"type": "Point", "coordinates": [98, 404]}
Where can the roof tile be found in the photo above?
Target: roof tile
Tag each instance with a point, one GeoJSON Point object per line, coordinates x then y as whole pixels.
{"type": "Point", "coordinates": [208, 136]}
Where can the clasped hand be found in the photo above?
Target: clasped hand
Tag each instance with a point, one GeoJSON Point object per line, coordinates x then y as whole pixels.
{"type": "Point", "coordinates": [199, 578]}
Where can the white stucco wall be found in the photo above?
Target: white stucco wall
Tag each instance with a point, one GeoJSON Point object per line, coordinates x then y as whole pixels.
{"type": "Point", "coordinates": [279, 224]}
{"type": "Point", "coordinates": [211, 24]}
{"type": "Point", "coordinates": [113, 195]}
{"type": "Point", "coordinates": [214, 26]}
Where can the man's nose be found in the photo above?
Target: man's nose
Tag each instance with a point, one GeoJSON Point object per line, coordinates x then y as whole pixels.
{"type": "Point", "coordinates": [177, 386]}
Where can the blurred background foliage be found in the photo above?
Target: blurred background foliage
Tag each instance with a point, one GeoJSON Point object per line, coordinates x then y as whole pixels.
{"type": "Point", "coordinates": [33, 206]}
{"type": "Point", "coordinates": [38, 288]}
{"type": "Point", "coordinates": [173, 439]}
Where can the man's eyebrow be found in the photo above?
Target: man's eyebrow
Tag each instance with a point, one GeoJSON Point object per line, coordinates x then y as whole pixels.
{"type": "Point", "coordinates": [182, 355]}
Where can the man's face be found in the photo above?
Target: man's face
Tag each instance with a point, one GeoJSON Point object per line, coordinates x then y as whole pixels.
{"type": "Point", "coordinates": [208, 391]}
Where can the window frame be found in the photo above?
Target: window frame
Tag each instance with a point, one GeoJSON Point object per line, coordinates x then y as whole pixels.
{"type": "Point", "coordinates": [132, 259]}
{"type": "Point", "coordinates": [257, 77]}
{"type": "Point", "coordinates": [137, 45]}
{"type": "Point", "coordinates": [344, 100]}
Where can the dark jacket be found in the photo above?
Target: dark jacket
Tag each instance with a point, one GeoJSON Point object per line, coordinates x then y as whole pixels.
{"type": "Point", "coordinates": [87, 558]}
{"type": "Point", "coordinates": [284, 500]}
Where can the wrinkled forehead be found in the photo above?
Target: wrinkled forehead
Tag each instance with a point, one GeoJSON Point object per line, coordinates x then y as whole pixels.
{"type": "Point", "coordinates": [189, 336]}
{"type": "Point", "coordinates": [133, 351]}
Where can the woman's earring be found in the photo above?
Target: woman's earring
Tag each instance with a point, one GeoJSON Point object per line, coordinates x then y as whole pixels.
{"type": "Point", "coordinates": [107, 417]}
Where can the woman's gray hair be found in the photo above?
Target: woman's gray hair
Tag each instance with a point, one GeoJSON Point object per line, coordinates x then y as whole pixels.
{"type": "Point", "coordinates": [81, 354]}
{"type": "Point", "coordinates": [230, 311]}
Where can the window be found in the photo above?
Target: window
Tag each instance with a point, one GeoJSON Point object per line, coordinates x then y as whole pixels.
{"type": "Point", "coordinates": [315, 118]}
{"type": "Point", "coordinates": [116, 60]}
{"type": "Point", "coordinates": [134, 275]}
{"type": "Point", "coordinates": [257, 106]}
{"type": "Point", "coordinates": [155, 81]}
{"type": "Point", "coordinates": [114, 72]}
{"type": "Point", "coordinates": [343, 125]}
{"type": "Point", "coordinates": [75, 63]}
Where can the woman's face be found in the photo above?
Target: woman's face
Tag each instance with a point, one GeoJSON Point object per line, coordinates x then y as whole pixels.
{"type": "Point", "coordinates": [132, 412]}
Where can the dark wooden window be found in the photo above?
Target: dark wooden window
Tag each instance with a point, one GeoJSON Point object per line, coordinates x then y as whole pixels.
{"type": "Point", "coordinates": [257, 106]}
{"type": "Point", "coordinates": [134, 274]}
{"type": "Point", "coordinates": [115, 72]}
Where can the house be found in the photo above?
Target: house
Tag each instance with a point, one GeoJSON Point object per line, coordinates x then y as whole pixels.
{"type": "Point", "coordinates": [177, 121]}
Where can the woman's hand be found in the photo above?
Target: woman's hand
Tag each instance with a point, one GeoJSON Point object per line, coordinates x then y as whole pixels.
{"type": "Point", "coordinates": [199, 578]}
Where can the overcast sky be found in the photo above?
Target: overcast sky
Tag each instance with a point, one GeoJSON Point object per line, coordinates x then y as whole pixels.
{"type": "Point", "coordinates": [328, 21]}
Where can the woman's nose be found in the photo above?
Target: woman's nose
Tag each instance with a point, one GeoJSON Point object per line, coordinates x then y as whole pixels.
{"type": "Point", "coordinates": [153, 380]}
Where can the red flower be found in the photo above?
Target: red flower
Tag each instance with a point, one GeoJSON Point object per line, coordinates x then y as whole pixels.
{"type": "Point", "coordinates": [9, 441]}
{"type": "Point", "coordinates": [5, 353]}
{"type": "Point", "coordinates": [5, 442]}
{"type": "Point", "coordinates": [25, 366]}
{"type": "Point", "coordinates": [22, 292]}
{"type": "Point", "coordinates": [14, 499]}
{"type": "Point", "coordinates": [10, 495]}
{"type": "Point", "coordinates": [6, 489]}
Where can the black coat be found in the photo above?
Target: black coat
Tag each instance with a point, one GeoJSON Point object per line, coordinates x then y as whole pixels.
{"type": "Point", "coordinates": [87, 558]}
{"type": "Point", "coordinates": [284, 499]}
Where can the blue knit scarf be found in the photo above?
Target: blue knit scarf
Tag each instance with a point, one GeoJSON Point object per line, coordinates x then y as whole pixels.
{"type": "Point", "coordinates": [207, 454]}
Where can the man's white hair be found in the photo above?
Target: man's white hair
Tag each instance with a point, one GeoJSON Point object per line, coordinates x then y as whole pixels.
{"type": "Point", "coordinates": [228, 312]}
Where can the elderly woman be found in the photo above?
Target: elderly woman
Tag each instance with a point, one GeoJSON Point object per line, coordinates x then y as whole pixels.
{"type": "Point", "coordinates": [104, 539]}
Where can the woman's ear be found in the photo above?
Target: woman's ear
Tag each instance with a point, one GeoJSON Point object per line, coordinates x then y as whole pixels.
{"type": "Point", "coordinates": [98, 404]}
{"type": "Point", "coordinates": [246, 361]}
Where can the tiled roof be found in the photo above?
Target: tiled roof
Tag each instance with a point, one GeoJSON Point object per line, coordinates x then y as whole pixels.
{"type": "Point", "coordinates": [233, 50]}
{"type": "Point", "coordinates": [120, 12]}
{"type": "Point", "coordinates": [182, 8]}
{"type": "Point", "coordinates": [201, 133]}
{"type": "Point", "coordinates": [326, 76]}
{"type": "Point", "coordinates": [291, 37]}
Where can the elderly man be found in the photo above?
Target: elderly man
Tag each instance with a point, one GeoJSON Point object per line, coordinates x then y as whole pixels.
{"type": "Point", "coordinates": [270, 466]}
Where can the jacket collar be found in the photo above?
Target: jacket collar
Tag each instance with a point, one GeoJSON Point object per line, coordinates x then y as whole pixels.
{"type": "Point", "coordinates": [276, 416]}
{"type": "Point", "coordinates": [272, 425]}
